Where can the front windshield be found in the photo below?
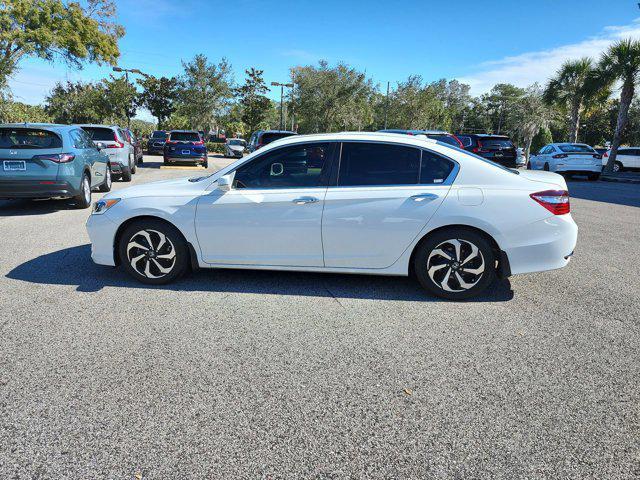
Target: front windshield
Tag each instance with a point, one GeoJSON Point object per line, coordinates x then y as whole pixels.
{"type": "Point", "coordinates": [237, 142]}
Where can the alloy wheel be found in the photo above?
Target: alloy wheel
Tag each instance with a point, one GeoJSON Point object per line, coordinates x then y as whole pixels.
{"type": "Point", "coordinates": [151, 253]}
{"type": "Point", "coordinates": [455, 265]}
{"type": "Point", "coordinates": [86, 189]}
{"type": "Point", "coordinates": [108, 179]}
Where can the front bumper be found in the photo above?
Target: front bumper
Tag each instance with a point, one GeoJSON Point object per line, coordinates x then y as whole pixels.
{"type": "Point", "coordinates": [102, 233]}
{"type": "Point", "coordinates": [37, 189]}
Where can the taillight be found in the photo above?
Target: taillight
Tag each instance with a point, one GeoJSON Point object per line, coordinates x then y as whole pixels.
{"type": "Point", "coordinates": [118, 143]}
{"type": "Point", "coordinates": [56, 157]}
{"type": "Point", "coordinates": [606, 155]}
{"type": "Point", "coordinates": [199, 143]}
{"type": "Point", "coordinates": [458, 140]}
{"type": "Point", "coordinates": [560, 155]}
{"type": "Point", "coordinates": [556, 201]}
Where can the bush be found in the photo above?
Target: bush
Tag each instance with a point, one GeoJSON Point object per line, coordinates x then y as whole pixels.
{"type": "Point", "coordinates": [215, 147]}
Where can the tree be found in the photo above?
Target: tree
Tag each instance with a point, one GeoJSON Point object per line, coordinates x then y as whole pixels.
{"type": "Point", "coordinates": [416, 106]}
{"type": "Point", "coordinates": [15, 112]}
{"type": "Point", "coordinates": [77, 102]}
{"type": "Point", "coordinates": [51, 29]}
{"type": "Point", "coordinates": [205, 91]}
{"type": "Point", "coordinates": [254, 103]}
{"type": "Point", "coordinates": [533, 114]}
{"type": "Point", "coordinates": [327, 99]}
{"type": "Point", "coordinates": [621, 62]}
{"type": "Point", "coordinates": [500, 105]}
{"type": "Point", "coordinates": [542, 138]}
{"type": "Point", "coordinates": [572, 88]}
{"type": "Point", "coordinates": [159, 96]}
{"type": "Point", "coordinates": [120, 100]}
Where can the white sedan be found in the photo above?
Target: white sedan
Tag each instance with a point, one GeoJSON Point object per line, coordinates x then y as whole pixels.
{"type": "Point", "coordinates": [568, 158]}
{"type": "Point", "coordinates": [371, 203]}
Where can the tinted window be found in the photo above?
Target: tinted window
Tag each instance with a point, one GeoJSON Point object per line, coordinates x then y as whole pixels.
{"type": "Point", "coordinates": [270, 137]}
{"type": "Point", "coordinates": [237, 142]}
{"type": "Point", "coordinates": [448, 139]}
{"type": "Point", "coordinates": [159, 135]}
{"type": "Point", "coordinates": [496, 142]}
{"type": "Point", "coordinates": [305, 165]}
{"type": "Point", "coordinates": [434, 168]}
{"type": "Point", "coordinates": [466, 141]}
{"type": "Point", "coordinates": [78, 139]}
{"type": "Point", "coordinates": [576, 148]}
{"type": "Point", "coordinates": [28, 138]}
{"type": "Point", "coordinates": [99, 134]}
{"type": "Point", "coordinates": [184, 136]}
{"type": "Point", "coordinates": [378, 164]}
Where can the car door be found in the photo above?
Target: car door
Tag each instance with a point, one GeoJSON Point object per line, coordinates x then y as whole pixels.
{"type": "Point", "coordinates": [272, 215]}
{"type": "Point", "coordinates": [383, 196]}
{"type": "Point", "coordinates": [543, 157]}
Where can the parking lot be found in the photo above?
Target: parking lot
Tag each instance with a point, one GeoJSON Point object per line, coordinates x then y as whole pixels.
{"type": "Point", "coordinates": [245, 374]}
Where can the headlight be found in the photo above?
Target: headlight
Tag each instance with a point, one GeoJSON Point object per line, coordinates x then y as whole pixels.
{"type": "Point", "coordinates": [103, 205]}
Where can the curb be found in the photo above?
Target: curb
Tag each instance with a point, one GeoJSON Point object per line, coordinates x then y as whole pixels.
{"type": "Point", "coordinates": [608, 178]}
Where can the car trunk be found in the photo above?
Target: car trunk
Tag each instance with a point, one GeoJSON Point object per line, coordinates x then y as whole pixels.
{"type": "Point", "coordinates": [21, 164]}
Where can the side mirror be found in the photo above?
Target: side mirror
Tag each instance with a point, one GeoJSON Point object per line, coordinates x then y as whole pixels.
{"type": "Point", "coordinates": [100, 146]}
{"type": "Point", "coordinates": [224, 183]}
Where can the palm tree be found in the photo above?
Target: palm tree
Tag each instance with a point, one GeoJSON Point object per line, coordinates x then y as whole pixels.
{"type": "Point", "coordinates": [621, 63]}
{"type": "Point", "coordinates": [573, 86]}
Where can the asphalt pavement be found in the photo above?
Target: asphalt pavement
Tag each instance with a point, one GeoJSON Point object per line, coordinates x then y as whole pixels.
{"type": "Point", "coordinates": [244, 374]}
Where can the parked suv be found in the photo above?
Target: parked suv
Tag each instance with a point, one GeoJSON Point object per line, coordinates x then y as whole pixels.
{"type": "Point", "coordinates": [51, 161]}
{"type": "Point", "coordinates": [438, 135]}
{"type": "Point", "coordinates": [185, 146]}
{"type": "Point", "coordinates": [155, 144]}
{"type": "Point", "coordinates": [497, 148]}
{"type": "Point", "coordinates": [116, 146]}
{"type": "Point", "coordinates": [263, 137]}
{"type": "Point", "coordinates": [137, 146]}
{"type": "Point", "coordinates": [628, 158]}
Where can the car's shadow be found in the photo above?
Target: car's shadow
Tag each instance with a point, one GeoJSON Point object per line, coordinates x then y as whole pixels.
{"type": "Point", "coordinates": [73, 266]}
{"type": "Point", "coordinates": [608, 192]}
{"type": "Point", "coordinates": [20, 207]}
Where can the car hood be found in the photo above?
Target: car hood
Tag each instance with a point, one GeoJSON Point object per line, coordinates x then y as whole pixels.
{"type": "Point", "coordinates": [163, 188]}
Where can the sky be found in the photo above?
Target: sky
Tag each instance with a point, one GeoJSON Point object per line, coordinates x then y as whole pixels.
{"type": "Point", "coordinates": [477, 42]}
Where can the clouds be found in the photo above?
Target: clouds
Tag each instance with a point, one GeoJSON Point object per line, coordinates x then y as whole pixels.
{"type": "Point", "coordinates": [527, 68]}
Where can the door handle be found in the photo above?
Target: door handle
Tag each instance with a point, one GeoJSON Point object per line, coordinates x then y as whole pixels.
{"type": "Point", "coordinates": [424, 197]}
{"type": "Point", "coordinates": [304, 200]}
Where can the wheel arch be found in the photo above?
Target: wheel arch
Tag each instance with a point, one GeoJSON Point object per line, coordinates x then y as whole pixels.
{"type": "Point", "coordinates": [193, 258]}
{"type": "Point", "coordinates": [503, 268]}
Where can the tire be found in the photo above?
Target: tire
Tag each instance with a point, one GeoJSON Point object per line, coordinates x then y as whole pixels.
{"type": "Point", "coordinates": [442, 258]}
{"type": "Point", "coordinates": [205, 164]}
{"type": "Point", "coordinates": [617, 167]}
{"type": "Point", "coordinates": [546, 167]}
{"type": "Point", "coordinates": [83, 199]}
{"type": "Point", "coordinates": [594, 177]}
{"type": "Point", "coordinates": [134, 167]}
{"type": "Point", "coordinates": [126, 175]}
{"type": "Point", "coordinates": [106, 185]}
{"type": "Point", "coordinates": [148, 265]}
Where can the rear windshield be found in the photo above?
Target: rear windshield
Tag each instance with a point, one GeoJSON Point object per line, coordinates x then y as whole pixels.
{"type": "Point", "coordinates": [185, 136]}
{"type": "Point", "coordinates": [28, 138]}
{"type": "Point", "coordinates": [100, 134]}
{"type": "Point", "coordinates": [160, 135]}
{"type": "Point", "coordinates": [444, 139]}
{"type": "Point", "coordinates": [576, 149]}
{"type": "Point", "coordinates": [496, 142]}
{"type": "Point", "coordinates": [270, 137]}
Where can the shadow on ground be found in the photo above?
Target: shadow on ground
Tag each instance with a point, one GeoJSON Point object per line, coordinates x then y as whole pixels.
{"type": "Point", "coordinates": [73, 266]}
{"type": "Point", "coordinates": [14, 208]}
{"type": "Point", "coordinates": [608, 192]}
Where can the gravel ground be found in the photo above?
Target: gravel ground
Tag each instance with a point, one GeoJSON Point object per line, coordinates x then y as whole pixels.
{"type": "Point", "coordinates": [240, 374]}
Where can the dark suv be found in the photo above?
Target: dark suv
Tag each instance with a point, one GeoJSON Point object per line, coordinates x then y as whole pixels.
{"type": "Point", "coordinates": [263, 137]}
{"type": "Point", "coordinates": [155, 144]}
{"type": "Point", "coordinates": [185, 146]}
{"type": "Point", "coordinates": [497, 148]}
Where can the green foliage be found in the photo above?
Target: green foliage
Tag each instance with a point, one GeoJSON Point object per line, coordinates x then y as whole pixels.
{"type": "Point", "coordinates": [142, 127]}
{"type": "Point", "coordinates": [215, 147]}
{"type": "Point", "coordinates": [51, 29]}
{"type": "Point", "coordinates": [159, 96]}
{"type": "Point", "coordinates": [542, 138]}
{"type": "Point", "coordinates": [120, 98]}
{"type": "Point", "coordinates": [255, 106]}
{"type": "Point", "coordinates": [76, 103]}
{"type": "Point", "coordinates": [16, 112]}
{"type": "Point", "coordinates": [205, 92]}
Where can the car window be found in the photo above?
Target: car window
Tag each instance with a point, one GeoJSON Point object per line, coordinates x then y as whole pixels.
{"type": "Point", "coordinates": [576, 148]}
{"type": "Point", "coordinates": [272, 137]}
{"type": "Point", "coordinates": [184, 137]}
{"type": "Point", "coordinates": [100, 134]}
{"type": "Point", "coordinates": [378, 164]}
{"type": "Point", "coordinates": [443, 138]}
{"type": "Point", "coordinates": [159, 135]}
{"type": "Point", "coordinates": [297, 166]}
{"type": "Point", "coordinates": [466, 141]}
{"type": "Point", "coordinates": [496, 143]}
{"type": "Point", "coordinates": [434, 168]}
{"type": "Point", "coordinates": [28, 138]}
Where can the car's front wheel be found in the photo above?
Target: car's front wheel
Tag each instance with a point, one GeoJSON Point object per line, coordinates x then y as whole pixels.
{"type": "Point", "coordinates": [153, 252]}
{"type": "Point", "coordinates": [455, 264]}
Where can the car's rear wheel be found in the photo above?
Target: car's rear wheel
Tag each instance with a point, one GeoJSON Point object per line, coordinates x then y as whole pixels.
{"type": "Point", "coordinates": [153, 252]}
{"type": "Point", "coordinates": [546, 167]}
{"type": "Point", "coordinates": [455, 264]}
{"type": "Point", "coordinates": [133, 166]}
{"type": "Point", "coordinates": [106, 185]}
{"type": "Point", "coordinates": [617, 167]}
{"type": "Point", "coordinates": [126, 174]}
{"type": "Point", "coordinates": [83, 199]}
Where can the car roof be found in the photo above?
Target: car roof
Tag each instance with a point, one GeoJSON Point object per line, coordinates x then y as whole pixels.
{"type": "Point", "coordinates": [51, 126]}
{"type": "Point", "coordinates": [426, 132]}
{"type": "Point", "coordinates": [356, 136]}
{"type": "Point", "coordinates": [184, 131]}
{"type": "Point", "coordinates": [276, 131]}
{"type": "Point", "coordinates": [570, 143]}
{"type": "Point", "coordinates": [483, 135]}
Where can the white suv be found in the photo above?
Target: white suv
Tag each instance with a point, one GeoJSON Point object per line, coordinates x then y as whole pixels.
{"type": "Point", "coordinates": [121, 153]}
{"type": "Point", "coordinates": [627, 158]}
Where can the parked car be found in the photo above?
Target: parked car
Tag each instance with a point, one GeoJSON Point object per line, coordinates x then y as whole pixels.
{"type": "Point", "coordinates": [155, 144]}
{"type": "Point", "coordinates": [51, 161]}
{"type": "Point", "coordinates": [497, 148]}
{"type": "Point", "coordinates": [263, 137]}
{"type": "Point", "coordinates": [568, 158]}
{"type": "Point", "coordinates": [185, 146]}
{"type": "Point", "coordinates": [628, 158]}
{"type": "Point", "coordinates": [235, 147]}
{"type": "Point", "coordinates": [138, 154]}
{"type": "Point", "coordinates": [439, 135]}
{"type": "Point", "coordinates": [372, 203]}
{"type": "Point", "coordinates": [521, 159]}
{"type": "Point", "coordinates": [116, 146]}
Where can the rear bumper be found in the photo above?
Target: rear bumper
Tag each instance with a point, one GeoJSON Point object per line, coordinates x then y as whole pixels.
{"type": "Point", "coordinates": [37, 189]}
{"type": "Point", "coordinates": [579, 168]}
{"type": "Point", "coordinates": [186, 159]}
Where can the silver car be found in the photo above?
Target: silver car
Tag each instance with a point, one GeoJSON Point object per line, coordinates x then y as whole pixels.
{"type": "Point", "coordinates": [234, 147]}
{"type": "Point", "coordinates": [121, 153]}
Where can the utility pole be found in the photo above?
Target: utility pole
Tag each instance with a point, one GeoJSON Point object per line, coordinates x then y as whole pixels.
{"type": "Point", "coordinates": [386, 107]}
{"type": "Point", "coordinates": [281, 85]}
{"type": "Point", "coordinates": [126, 76]}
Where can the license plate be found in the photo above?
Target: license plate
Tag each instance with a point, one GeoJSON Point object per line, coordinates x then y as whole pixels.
{"type": "Point", "coordinates": [186, 152]}
{"type": "Point", "coordinates": [14, 165]}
